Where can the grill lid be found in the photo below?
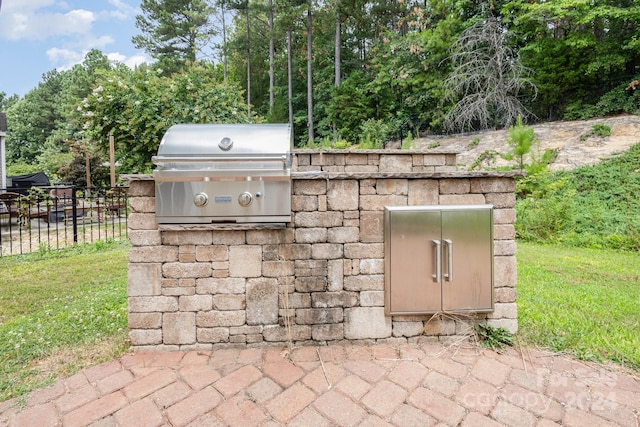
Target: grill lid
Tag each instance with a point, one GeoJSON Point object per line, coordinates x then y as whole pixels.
{"type": "Point", "coordinates": [227, 146]}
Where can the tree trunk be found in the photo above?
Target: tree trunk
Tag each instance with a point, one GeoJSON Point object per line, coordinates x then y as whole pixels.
{"type": "Point", "coordinates": [224, 43]}
{"type": "Point", "coordinates": [290, 78]}
{"type": "Point", "coordinates": [248, 63]}
{"type": "Point", "coordinates": [271, 57]}
{"type": "Point", "coordinates": [309, 74]}
{"type": "Point", "coordinates": [337, 59]}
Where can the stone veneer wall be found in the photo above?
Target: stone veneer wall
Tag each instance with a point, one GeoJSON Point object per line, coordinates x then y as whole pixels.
{"type": "Point", "coordinates": [205, 286]}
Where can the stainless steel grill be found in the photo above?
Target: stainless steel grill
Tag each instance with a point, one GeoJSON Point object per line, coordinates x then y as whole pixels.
{"type": "Point", "coordinates": [224, 173]}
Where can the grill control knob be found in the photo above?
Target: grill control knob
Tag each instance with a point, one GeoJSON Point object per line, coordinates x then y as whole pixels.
{"type": "Point", "coordinates": [245, 199]}
{"type": "Point", "coordinates": [200, 200]}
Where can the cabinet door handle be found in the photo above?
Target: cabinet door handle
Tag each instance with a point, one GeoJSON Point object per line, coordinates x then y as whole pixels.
{"type": "Point", "coordinates": [438, 276]}
{"type": "Point", "coordinates": [449, 275]}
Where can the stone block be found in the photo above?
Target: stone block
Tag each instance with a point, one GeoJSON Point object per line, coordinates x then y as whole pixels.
{"type": "Point", "coordinates": [504, 232]}
{"type": "Point", "coordinates": [396, 163]}
{"type": "Point", "coordinates": [407, 329]}
{"type": "Point", "coordinates": [505, 294]}
{"type": "Point", "coordinates": [145, 320]}
{"type": "Point", "coordinates": [504, 247]}
{"type": "Point", "coordinates": [392, 186]}
{"type": "Point", "coordinates": [195, 303]}
{"type": "Point", "coordinates": [310, 284]}
{"type": "Point", "coordinates": [356, 159]}
{"type": "Point", "coordinates": [269, 237]}
{"type": "Point", "coordinates": [318, 219]}
{"type": "Point", "coordinates": [229, 302]}
{"type": "Point", "coordinates": [510, 325]}
{"type": "Point", "coordinates": [277, 333]}
{"type": "Point", "coordinates": [440, 327]}
{"type": "Point", "coordinates": [315, 316]}
{"type": "Point", "coordinates": [245, 261]}
{"type": "Point", "coordinates": [229, 237]}
{"type": "Point", "coordinates": [213, 335]}
{"type": "Point", "coordinates": [378, 202]}
{"type": "Point", "coordinates": [372, 266]}
{"type": "Point", "coordinates": [334, 299]}
{"type": "Point", "coordinates": [462, 199]}
{"type": "Point", "coordinates": [371, 282]}
{"type": "Point", "coordinates": [312, 187]}
{"type": "Point", "coordinates": [493, 185]}
{"type": "Point", "coordinates": [145, 336]}
{"type": "Point", "coordinates": [372, 226]}
{"type": "Point", "coordinates": [423, 192]}
{"type": "Point", "coordinates": [343, 235]}
{"type": "Point", "coordinates": [142, 204]}
{"type": "Point", "coordinates": [501, 200]}
{"type": "Point", "coordinates": [326, 251]}
{"type": "Point", "coordinates": [179, 328]}
{"type": "Point", "coordinates": [504, 216]}
{"type": "Point", "coordinates": [142, 221]}
{"type": "Point", "coordinates": [145, 237]}
{"type": "Point", "coordinates": [455, 186]}
{"type": "Point", "coordinates": [153, 254]}
{"type": "Point", "coordinates": [294, 300]}
{"type": "Point", "coordinates": [215, 319]}
{"type": "Point", "coordinates": [181, 270]}
{"type": "Point", "coordinates": [363, 250]}
{"type": "Point", "coordinates": [304, 203]}
{"type": "Point", "coordinates": [295, 251]}
{"type": "Point", "coordinates": [342, 195]}
{"type": "Point", "coordinates": [302, 159]}
{"type": "Point", "coordinates": [262, 301]}
{"type": "Point", "coordinates": [501, 310]}
{"type": "Point", "coordinates": [310, 267]}
{"type": "Point", "coordinates": [212, 253]}
{"type": "Point", "coordinates": [327, 332]}
{"type": "Point", "coordinates": [221, 285]}
{"type": "Point", "coordinates": [141, 189]}
{"type": "Point", "coordinates": [178, 291]}
{"type": "Point", "coordinates": [152, 304]}
{"type": "Point", "coordinates": [434, 160]}
{"type": "Point", "coordinates": [372, 299]}
{"type": "Point", "coordinates": [177, 238]}
{"type": "Point", "coordinates": [144, 280]}
{"type": "Point", "coordinates": [505, 271]}
{"type": "Point", "coordinates": [335, 275]}
{"type": "Point", "coordinates": [311, 235]}
{"type": "Point", "coordinates": [366, 323]}
{"type": "Point", "coordinates": [277, 268]}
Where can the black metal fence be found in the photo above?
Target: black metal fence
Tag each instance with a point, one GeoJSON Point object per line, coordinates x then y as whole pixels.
{"type": "Point", "coordinates": [52, 218]}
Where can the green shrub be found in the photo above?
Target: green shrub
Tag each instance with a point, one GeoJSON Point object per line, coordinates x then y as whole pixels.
{"type": "Point", "coordinates": [373, 134]}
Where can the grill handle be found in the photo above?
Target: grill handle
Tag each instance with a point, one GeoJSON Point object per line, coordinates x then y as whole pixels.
{"type": "Point", "coordinates": [158, 160]}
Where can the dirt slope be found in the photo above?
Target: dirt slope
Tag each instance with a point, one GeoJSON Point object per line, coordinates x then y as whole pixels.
{"type": "Point", "coordinates": [561, 135]}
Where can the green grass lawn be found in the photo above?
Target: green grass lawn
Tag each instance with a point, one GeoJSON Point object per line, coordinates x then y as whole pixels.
{"type": "Point", "coordinates": [582, 301]}
{"type": "Point", "coordinates": [59, 312]}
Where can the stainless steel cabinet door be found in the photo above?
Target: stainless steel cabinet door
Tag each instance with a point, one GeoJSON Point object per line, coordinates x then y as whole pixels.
{"type": "Point", "coordinates": [467, 260]}
{"type": "Point", "coordinates": [413, 264]}
{"type": "Point", "coordinates": [438, 258]}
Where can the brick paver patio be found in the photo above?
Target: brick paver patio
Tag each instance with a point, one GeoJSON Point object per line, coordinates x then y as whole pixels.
{"type": "Point", "coordinates": [408, 385]}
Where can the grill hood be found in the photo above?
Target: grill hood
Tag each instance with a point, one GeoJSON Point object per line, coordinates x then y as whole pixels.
{"type": "Point", "coordinates": [224, 173]}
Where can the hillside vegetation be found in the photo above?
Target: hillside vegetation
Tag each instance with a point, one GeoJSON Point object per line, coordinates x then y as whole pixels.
{"type": "Point", "coordinates": [592, 206]}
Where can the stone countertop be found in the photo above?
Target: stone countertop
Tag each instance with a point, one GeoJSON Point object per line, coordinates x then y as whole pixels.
{"type": "Point", "coordinates": [310, 175]}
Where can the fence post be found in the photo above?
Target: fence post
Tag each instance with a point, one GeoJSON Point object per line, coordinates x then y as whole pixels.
{"type": "Point", "coordinates": [74, 213]}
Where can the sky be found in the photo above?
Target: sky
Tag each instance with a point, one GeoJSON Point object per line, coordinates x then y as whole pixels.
{"type": "Point", "coordinates": [38, 36]}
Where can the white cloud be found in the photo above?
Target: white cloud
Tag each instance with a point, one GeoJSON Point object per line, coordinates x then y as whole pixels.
{"type": "Point", "coordinates": [29, 23]}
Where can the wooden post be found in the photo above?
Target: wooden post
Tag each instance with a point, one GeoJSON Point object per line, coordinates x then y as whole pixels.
{"type": "Point", "coordinates": [87, 164]}
{"type": "Point", "coordinates": [112, 162]}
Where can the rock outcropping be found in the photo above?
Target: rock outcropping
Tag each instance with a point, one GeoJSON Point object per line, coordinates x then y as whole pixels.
{"type": "Point", "coordinates": [570, 138]}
